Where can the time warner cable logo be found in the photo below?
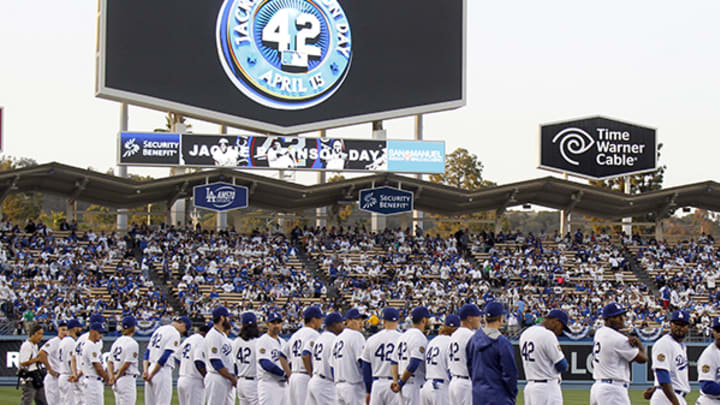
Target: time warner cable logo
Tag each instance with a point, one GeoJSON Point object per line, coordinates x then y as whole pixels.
{"type": "Point", "coordinates": [284, 54]}
{"type": "Point", "coordinates": [573, 141]}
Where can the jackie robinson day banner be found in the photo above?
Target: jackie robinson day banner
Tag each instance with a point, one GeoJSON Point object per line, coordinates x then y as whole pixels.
{"type": "Point", "coordinates": [277, 152]}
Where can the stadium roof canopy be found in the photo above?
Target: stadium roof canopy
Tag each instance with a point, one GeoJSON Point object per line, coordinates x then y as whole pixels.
{"type": "Point", "coordinates": [117, 192]}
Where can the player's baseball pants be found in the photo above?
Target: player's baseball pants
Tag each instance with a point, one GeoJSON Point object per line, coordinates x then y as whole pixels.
{"type": "Point", "coordinates": [66, 390]}
{"type": "Point", "coordinates": [79, 391]}
{"type": "Point", "coordinates": [190, 390]}
{"type": "Point", "coordinates": [382, 394]}
{"type": "Point", "coordinates": [298, 387]}
{"type": "Point", "coordinates": [704, 400]}
{"type": "Point", "coordinates": [94, 392]}
{"type": "Point", "coordinates": [350, 393]}
{"type": "Point", "coordinates": [604, 394]}
{"type": "Point", "coordinates": [435, 392]}
{"type": "Point", "coordinates": [659, 398]}
{"type": "Point", "coordinates": [125, 390]}
{"type": "Point", "coordinates": [159, 390]}
{"type": "Point", "coordinates": [460, 391]}
{"type": "Point", "coordinates": [52, 389]}
{"type": "Point", "coordinates": [218, 390]}
{"type": "Point", "coordinates": [410, 394]}
{"type": "Point", "coordinates": [247, 391]}
{"type": "Point", "coordinates": [272, 392]}
{"type": "Point", "coordinates": [543, 393]}
{"type": "Point", "coordinates": [320, 391]}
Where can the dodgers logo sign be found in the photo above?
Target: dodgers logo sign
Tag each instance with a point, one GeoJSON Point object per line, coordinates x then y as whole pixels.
{"type": "Point", "coordinates": [386, 200]}
{"type": "Point", "coordinates": [220, 196]}
{"type": "Point", "coordinates": [285, 54]}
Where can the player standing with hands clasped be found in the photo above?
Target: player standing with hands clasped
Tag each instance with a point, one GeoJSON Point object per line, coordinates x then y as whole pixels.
{"type": "Point", "coordinates": [321, 388]}
{"type": "Point", "coordinates": [708, 366]}
{"type": "Point", "coordinates": [220, 379]}
{"type": "Point", "coordinates": [377, 358]}
{"type": "Point", "coordinates": [123, 364]}
{"type": "Point", "coordinates": [50, 357]}
{"type": "Point", "coordinates": [345, 362]}
{"type": "Point", "coordinates": [612, 354]}
{"type": "Point", "coordinates": [300, 346]}
{"type": "Point", "coordinates": [408, 368]}
{"type": "Point", "coordinates": [435, 390]}
{"type": "Point", "coordinates": [670, 363]}
{"type": "Point", "coordinates": [244, 354]}
{"type": "Point", "coordinates": [460, 387]}
{"type": "Point", "coordinates": [157, 370]}
{"type": "Point", "coordinates": [543, 360]}
{"type": "Point", "coordinates": [92, 369]}
{"type": "Point", "coordinates": [272, 377]}
{"type": "Point", "coordinates": [192, 370]}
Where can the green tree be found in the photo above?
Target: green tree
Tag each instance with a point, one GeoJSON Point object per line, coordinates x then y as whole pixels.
{"type": "Point", "coordinates": [19, 207]}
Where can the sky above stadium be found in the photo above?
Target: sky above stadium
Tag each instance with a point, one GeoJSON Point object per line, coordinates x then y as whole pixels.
{"type": "Point", "coordinates": [649, 62]}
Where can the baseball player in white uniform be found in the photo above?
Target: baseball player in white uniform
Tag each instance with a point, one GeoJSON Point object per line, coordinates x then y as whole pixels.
{"type": "Point", "coordinates": [79, 383]}
{"type": "Point", "coordinates": [435, 391]}
{"type": "Point", "coordinates": [460, 386]}
{"type": "Point", "coordinates": [157, 369]}
{"type": "Point", "coordinates": [192, 359]}
{"type": "Point", "coordinates": [708, 368]}
{"type": "Point", "coordinates": [348, 347]}
{"type": "Point", "coordinates": [65, 353]}
{"type": "Point", "coordinates": [408, 368]}
{"type": "Point", "coordinates": [670, 363]}
{"type": "Point", "coordinates": [123, 364]}
{"type": "Point", "coordinates": [377, 356]}
{"type": "Point", "coordinates": [220, 379]}
{"type": "Point", "coordinates": [244, 353]}
{"type": "Point", "coordinates": [321, 388]}
{"type": "Point", "coordinates": [300, 351]}
{"type": "Point", "coordinates": [224, 154]}
{"type": "Point", "coordinates": [272, 376]}
{"type": "Point", "coordinates": [50, 357]}
{"type": "Point", "coordinates": [93, 372]}
{"type": "Point", "coordinates": [612, 354]}
{"type": "Point", "coordinates": [543, 360]}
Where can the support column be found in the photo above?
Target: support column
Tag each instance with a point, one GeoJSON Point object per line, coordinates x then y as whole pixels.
{"type": "Point", "coordinates": [321, 212]}
{"type": "Point", "coordinates": [69, 210]}
{"type": "Point", "coordinates": [418, 216]}
{"type": "Point", "coordinates": [221, 217]}
{"type": "Point", "coordinates": [564, 217]}
{"type": "Point", "coordinates": [122, 216]}
{"type": "Point", "coordinates": [627, 222]}
{"type": "Point", "coordinates": [659, 231]}
{"type": "Point", "coordinates": [177, 211]}
{"type": "Point", "coordinates": [498, 220]}
{"type": "Point", "coordinates": [378, 222]}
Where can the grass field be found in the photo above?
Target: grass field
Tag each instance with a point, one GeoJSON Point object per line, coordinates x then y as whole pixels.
{"type": "Point", "coordinates": [9, 396]}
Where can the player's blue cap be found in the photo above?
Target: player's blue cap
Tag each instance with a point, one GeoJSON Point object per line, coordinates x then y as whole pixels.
{"type": "Point", "coordinates": [419, 313]}
{"type": "Point", "coordinates": [274, 317]}
{"type": "Point", "coordinates": [333, 317]}
{"type": "Point", "coordinates": [469, 310]}
{"type": "Point", "coordinates": [453, 321]}
{"type": "Point", "coordinates": [561, 316]}
{"type": "Point", "coordinates": [128, 322]}
{"type": "Point", "coordinates": [680, 316]}
{"type": "Point", "coordinates": [313, 312]}
{"type": "Point", "coordinates": [74, 323]}
{"type": "Point", "coordinates": [716, 322]}
{"type": "Point", "coordinates": [494, 308]}
{"type": "Point", "coordinates": [97, 318]}
{"type": "Point", "coordinates": [220, 311]}
{"type": "Point", "coordinates": [248, 318]}
{"type": "Point", "coordinates": [390, 314]}
{"type": "Point", "coordinates": [354, 313]}
{"type": "Point", "coordinates": [61, 323]}
{"type": "Point", "coordinates": [187, 322]}
{"type": "Point", "coordinates": [612, 309]}
{"type": "Point", "coordinates": [98, 326]}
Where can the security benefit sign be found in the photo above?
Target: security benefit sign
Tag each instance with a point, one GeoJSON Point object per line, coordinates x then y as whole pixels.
{"type": "Point", "coordinates": [386, 200]}
{"type": "Point", "coordinates": [597, 148]}
{"type": "Point", "coordinates": [220, 196]}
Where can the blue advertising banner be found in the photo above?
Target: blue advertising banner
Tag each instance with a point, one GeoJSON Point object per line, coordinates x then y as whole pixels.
{"type": "Point", "coordinates": [416, 156]}
{"type": "Point", "coordinates": [220, 196]}
{"type": "Point", "coordinates": [386, 200]}
{"type": "Point", "coordinates": [154, 148]}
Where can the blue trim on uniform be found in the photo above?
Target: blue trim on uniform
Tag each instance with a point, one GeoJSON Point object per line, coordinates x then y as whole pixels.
{"type": "Point", "coordinates": [200, 366]}
{"type": "Point", "coordinates": [562, 366]}
{"type": "Point", "coordinates": [663, 376]}
{"type": "Point", "coordinates": [306, 353]}
{"type": "Point", "coordinates": [393, 362]}
{"type": "Point", "coordinates": [271, 367]}
{"type": "Point", "coordinates": [165, 356]}
{"type": "Point", "coordinates": [281, 354]}
{"type": "Point", "coordinates": [710, 388]}
{"type": "Point", "coordinates": [147, 355]}
{"type": "Point", "coordinates": [217, 364]}
{"type": "Point", "coordinates": [414, 364]}
{"type": "Point", "coordinates": [367, 375]}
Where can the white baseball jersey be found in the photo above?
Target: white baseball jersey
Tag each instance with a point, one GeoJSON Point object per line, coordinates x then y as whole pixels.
{"type": "Point", "coordinates": [322, 354]}
{"type": "Point", "coordinates": [411, 345]}
{"type": "Point", "coordinates": [708, 366]}
{"type": "Point", "coordinates": [65, 352]}
{"type": "Point", "coordinates": [52, 348]}
{"type": "Point", "coordinates": [671, 355]}
{"type": "Point", "coordinates": [91, 353]}
{"type": "Point", "coordinates": [191, 350]}
{"type": "Point", "coordinates": [457, 359]}
{"type": "Point", "coordinates": [244, 353]}
{"type": "Point", "coordinates": [612, 355]}
{"type": "Point", "coordinates": [540, 351]}
{"type": "Point", "coordinates": [219, 347]}
{"type": "Point", "coordinates": [77, 351]}
{"type": "Point", "coordinates": [436, 358]}
{"type": "Point", "coordinates": [379, 352]}
{"type": "Point", "coordinates": [164, 338]}
{"type": "Point", "coordinates": [347, 350]}
{"type": "Point", "coordinates": [227, 158]}
{"type": "Point", "coordinates": [304, 337]}
{"type": "Point", "coordinates": [268, 349]}
{"type": "Point", "coordinates": [125, 350]}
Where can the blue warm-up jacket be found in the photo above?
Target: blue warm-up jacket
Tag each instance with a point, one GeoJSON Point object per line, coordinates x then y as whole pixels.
{"type": "Point", "coordinates": [491, 363]}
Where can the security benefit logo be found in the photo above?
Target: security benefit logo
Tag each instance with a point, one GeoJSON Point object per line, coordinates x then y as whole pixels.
{"type": "Point", "coordinates": [150, 148]}
{"type": "Point", "coordinates": [285, 54]}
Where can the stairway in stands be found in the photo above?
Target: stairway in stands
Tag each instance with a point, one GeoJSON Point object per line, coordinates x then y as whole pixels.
{"type": "Point", "coordinates": [639, 272]}
{"type": "Point", "coordinates": [161, 281]}
{"type": "Point", "coordinates": [313, 268]}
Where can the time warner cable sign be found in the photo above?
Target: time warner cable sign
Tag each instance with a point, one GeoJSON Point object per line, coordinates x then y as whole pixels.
{"type": "Point", "coordinates": [220, 196]}
{"type": "Point", "coordinates": [597, 148]}
{"type": "Point", "coordinates": [284, 66]}
{"type": "Point", "coordinates": [276, 152]}
{"type": "Point", "coordinates": [386, 200]}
